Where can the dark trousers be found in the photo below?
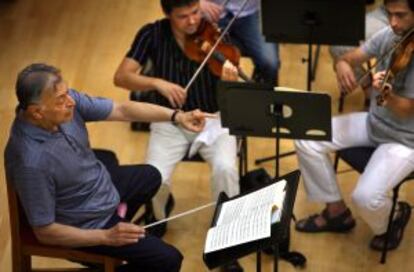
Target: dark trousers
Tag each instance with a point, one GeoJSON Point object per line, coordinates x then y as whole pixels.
{"type": "Point", "coordinates": [136, 185]}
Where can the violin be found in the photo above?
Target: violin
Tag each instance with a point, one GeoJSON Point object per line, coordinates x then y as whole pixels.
{"type": "Point", "coordinates": [198, 45]}
{"type": "Point", "coordinates": [202, 47]}
{"type": "Point", "coordinates": [399, 61]}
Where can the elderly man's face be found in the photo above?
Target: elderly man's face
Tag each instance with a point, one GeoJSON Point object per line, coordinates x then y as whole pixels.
{"type": "Point", "coordinates": [56, 104]}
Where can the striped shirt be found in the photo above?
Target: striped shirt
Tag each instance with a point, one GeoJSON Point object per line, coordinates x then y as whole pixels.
{"type": "Point", "coordinates": [156, 42]}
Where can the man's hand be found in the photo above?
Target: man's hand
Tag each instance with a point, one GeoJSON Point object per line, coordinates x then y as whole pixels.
{"type": "Point", "coordinates": [193, 120]}
{"type": "Point", "coordinates": [384, 89]}
{"type": "Point", "coordinates": [211, 10]}
{"type": "Point", "coordinates": [175, 94]}
{"type": "Point", "coordinates": [123, 234]}
{"type": "Point", "coordinates": [378, 79]}
{"type": "Point", "coordinates": [229, 72]}
{"type": "Point", "coordinates": [345, 76]}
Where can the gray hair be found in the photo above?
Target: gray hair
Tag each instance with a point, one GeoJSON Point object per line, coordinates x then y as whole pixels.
{"type": "Point", "coordinates": [32, 80]}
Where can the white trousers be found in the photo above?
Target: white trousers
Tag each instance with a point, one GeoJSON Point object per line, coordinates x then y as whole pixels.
{"type": "Point", "coordinates": [389, 164]}
{"type": "Point", "coordinates": [168, 144]}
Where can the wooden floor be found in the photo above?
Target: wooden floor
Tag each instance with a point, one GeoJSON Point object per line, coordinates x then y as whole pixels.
{"type": "Point", "coordinates": [87, 39]}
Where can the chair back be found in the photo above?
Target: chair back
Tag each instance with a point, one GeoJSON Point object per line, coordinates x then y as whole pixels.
{"type": "Point", "coordinates": [18, 225]}
{"type": "Point", "coordinates": [356, 157]}
{"type": "Point", "coordinates": [24, 243]}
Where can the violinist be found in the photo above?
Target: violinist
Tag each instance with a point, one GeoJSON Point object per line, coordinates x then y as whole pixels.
{"type": "Point", "coordinates": [375, 20]}
{"type": "Point", "coordinates": [246, 34]}
{"type": "Point", "coordinates": [388, 126]}
{"type": "Point", "coordinates": [163, 43]}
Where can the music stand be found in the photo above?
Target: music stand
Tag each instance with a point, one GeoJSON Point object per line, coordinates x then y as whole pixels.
{"type": "Point", "coordinates": [339, 22]}
{"type": "Point", "coordinates": [255, 109]}
{"type": "Point", "coordinates": [278, 229]}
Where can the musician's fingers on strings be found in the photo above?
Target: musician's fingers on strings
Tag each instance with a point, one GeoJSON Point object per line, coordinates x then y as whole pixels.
{"type": "Point", "coordinates": [229, 72]}
{"type": "Point", "coordinates": [378, 79]}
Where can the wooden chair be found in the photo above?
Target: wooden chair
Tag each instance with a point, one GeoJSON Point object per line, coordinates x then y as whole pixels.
{"type": "Point", "coordinates": [24, 244]}
{"type": "Point", "coordinates": [357, 158]}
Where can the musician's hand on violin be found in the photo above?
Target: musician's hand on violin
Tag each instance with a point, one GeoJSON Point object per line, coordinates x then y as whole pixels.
{"type": "Point", "coordinates": [229, 72]}
{"type": "Point", "coordinates": [345, 76]}
{"type": "Point", "coordinates": [211, 10]}
{"type": "Point", "coordinates": [175, 94]}
{"type": "Point", "coordinates": [378, 79]}
{"type": "Point", "coordinates": [193, 120]}
{"type": "Point", "coordinates": [384, 89]}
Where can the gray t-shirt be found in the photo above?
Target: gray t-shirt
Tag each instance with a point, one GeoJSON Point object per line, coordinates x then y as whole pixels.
{"type": "Point", "coordinates": [383, 125]}
{"type": "Point", "coordinates": [56, 175]}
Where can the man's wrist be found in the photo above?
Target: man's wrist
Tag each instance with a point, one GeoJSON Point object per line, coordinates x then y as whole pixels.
{"type": "Point", "coordinates": [337, 62]}
{"type": "Point", "coordinates": [174, 117]}
{"type": "Point", "coordinates": [102, 237]}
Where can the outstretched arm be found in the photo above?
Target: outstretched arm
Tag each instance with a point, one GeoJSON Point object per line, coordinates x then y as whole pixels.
{"type": "Point", "coordinates": [137, 111]}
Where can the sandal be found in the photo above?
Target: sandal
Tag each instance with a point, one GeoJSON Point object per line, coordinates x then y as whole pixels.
{"type": "Point", "coordinates": [336, 224]}
{"type": "Point", "coordinates": [397, 229]}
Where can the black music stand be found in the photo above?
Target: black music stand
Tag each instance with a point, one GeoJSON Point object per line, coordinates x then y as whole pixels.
{"type": "Point", "coordinates": [339, 22]}
{"type": "Point", "coordinates": [254, 109]}
{"type": "Point", "coordinates": [278, 229]}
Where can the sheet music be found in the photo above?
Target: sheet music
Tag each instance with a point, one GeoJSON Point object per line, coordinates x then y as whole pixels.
{"type": "Point", "coordinates": [247, 218]}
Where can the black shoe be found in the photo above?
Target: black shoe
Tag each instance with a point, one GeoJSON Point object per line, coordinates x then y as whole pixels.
{"type": "Point", "coordinates": [160, 229]}
{"type": "Point", "coordinates": [397, 229]}
{"type": "Point", "coordinates": [233, 266]}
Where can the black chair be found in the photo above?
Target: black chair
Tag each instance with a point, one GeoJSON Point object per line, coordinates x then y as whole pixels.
{"type": "Point", "coordinates": [357, 158]}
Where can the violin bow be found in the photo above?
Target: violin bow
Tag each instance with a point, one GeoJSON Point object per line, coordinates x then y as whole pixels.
{"type": "Point", "coordinates": [198, 71]}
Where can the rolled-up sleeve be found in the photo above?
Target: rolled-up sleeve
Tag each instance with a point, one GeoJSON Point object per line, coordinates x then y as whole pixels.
{"type": "Point", "coordinates": [92, 108]}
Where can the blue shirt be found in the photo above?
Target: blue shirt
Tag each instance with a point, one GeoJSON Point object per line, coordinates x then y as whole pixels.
{"type": "Point", "coordinates": [56, 174]}
{"type": "Point", "coordinates": [234, 6]}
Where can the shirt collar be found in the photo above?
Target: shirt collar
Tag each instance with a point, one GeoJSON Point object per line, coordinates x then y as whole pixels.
{"type": "Point", "coordinates": [39, 134]}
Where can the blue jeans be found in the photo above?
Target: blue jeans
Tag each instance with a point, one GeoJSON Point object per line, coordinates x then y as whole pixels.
{"type": "Point", "coordinates": [246, 35]}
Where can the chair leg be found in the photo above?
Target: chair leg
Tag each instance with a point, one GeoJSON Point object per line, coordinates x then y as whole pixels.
{"type": "Point", "coordinates": [242, 152]}
{"type": "Point", "coordinates": [109, 265]}
{"type": "Point", "coordinates": [23, 263]}
{"type": "Point", "coordinates": [336, 162]}
{"type": "Point", "coordinates": [390, 222]}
